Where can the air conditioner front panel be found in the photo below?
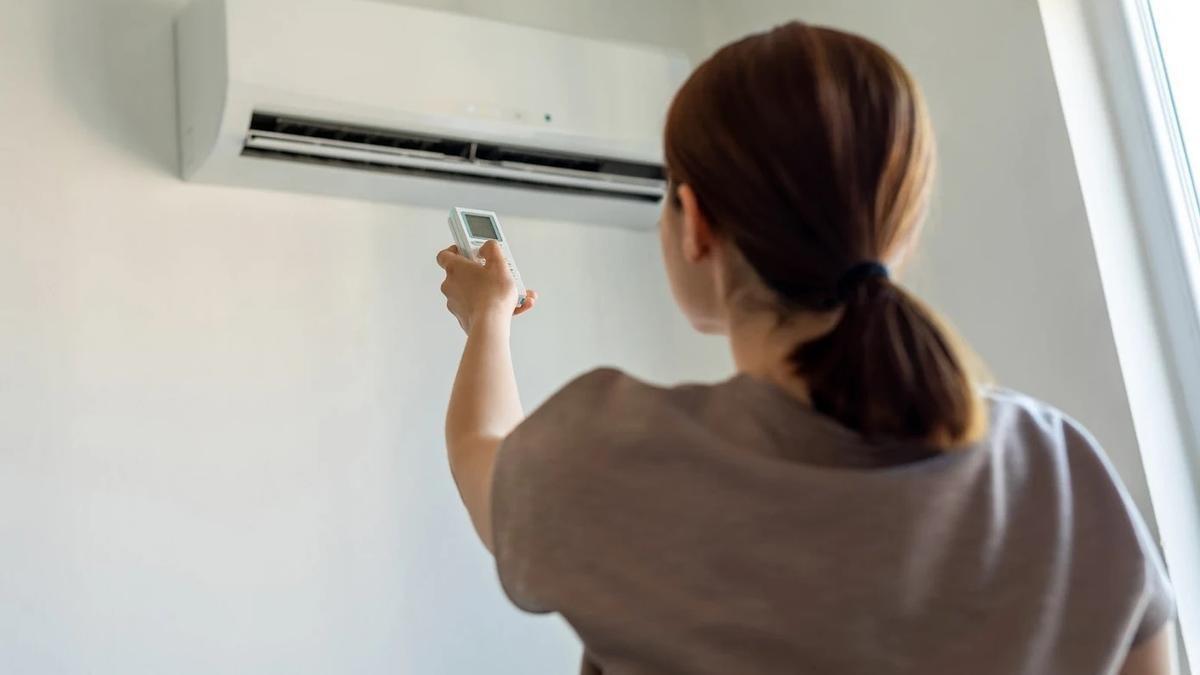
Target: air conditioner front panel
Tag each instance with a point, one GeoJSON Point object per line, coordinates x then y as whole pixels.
{"type": "Point", "coordinates": [506, 79]}
{"type": "Point", "coordinates": [422, 72]}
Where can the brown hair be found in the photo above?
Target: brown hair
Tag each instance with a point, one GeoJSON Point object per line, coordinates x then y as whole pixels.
{"type": "Point", "coordinates": [812, 151]}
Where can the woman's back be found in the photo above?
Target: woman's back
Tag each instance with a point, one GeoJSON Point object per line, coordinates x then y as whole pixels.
{"type": "Point", "coordinates": [729, 528]}
{"type": "Point", "coordinates": [870, 510]}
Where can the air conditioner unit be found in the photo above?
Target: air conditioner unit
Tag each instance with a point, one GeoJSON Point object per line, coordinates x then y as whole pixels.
{"type": "Point", "coordinates": [380, 101]}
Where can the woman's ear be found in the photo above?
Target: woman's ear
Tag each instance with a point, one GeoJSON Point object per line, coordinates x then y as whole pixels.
{"type": "Point", "coordinates": [698, 238]}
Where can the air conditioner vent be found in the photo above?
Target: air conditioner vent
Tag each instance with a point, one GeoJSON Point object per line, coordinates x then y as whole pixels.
{"type": "Point", "coordinates": [288, 137]}
{"type": "Point", "coordinates": [303, 128]}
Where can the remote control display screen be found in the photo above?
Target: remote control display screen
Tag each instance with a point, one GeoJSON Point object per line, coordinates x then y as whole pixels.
{"type": "Point", "coordinates": [481, 227]}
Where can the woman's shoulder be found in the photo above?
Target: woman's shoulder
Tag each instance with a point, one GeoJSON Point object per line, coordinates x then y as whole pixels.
{"type": "Point", "coordinates": [1018, 419]}
{"type": "Point", "coordinates": [608, 409]}
{"type": "Point", "coordinates": [593, 391]}
{"type": "Point", "coordinates": [602, 380]}
{"type": "Point", "coordinates": [580, 405]}
{"type": "Point", "coordinates": [609, 377]}
{"type": "Point", "coordinates": [1028, 434]}
{"type": "Point", "coordinates": [607, 388]}
{"type": "Point", "coordinates": [1046, 459]}
{"type": "Point", "coordinates": [1012, 406]}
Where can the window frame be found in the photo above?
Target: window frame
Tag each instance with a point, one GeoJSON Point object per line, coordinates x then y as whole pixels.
{"type": "Point", "coordinates": [1167, 222]}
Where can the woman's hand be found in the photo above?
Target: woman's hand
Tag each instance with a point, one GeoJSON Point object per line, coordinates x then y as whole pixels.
{"type": "Point", "coordinates": [476, 290]}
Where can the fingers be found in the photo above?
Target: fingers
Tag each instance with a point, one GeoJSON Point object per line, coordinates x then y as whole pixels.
{"type": "Point", "coordinates": [450, 259]}
{"type": "Point", "coordinates": [530, 299]}
{"type": "Point", "coordinates": [448, 256]}
{"type": "Point", "coordinates": [491, 251]}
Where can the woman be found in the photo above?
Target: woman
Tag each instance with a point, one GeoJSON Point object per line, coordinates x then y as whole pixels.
{"type": "Point", "coordinates": [851, 501]}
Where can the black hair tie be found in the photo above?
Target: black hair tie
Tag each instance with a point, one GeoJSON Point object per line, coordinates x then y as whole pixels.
{"type": "Point", "coordinates": [859, 274]}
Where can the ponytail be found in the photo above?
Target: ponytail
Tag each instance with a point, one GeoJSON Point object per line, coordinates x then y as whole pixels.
{"type": "Point", "coordinates": [810, 149]}
{"type": "Point", "coordinates": [889, 370]}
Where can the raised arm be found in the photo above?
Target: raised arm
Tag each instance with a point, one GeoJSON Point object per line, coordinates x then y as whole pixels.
{"type": "Point", "coordinates": [484, 404]}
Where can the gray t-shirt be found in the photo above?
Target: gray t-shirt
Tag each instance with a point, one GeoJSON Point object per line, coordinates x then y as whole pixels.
{"type": "Point", "coordinates": [731, 529]}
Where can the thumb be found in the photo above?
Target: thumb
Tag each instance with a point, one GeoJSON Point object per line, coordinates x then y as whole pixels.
{"type": "Point", "coordinates": [491, 250]}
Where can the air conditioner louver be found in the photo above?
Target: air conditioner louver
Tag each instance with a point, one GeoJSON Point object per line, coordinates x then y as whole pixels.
{"type": "Point", "coordinates": [298, 139]}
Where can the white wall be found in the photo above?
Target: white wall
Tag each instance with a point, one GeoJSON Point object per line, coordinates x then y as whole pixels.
{"type": "Point", "coordinates": [221, 409]}
{"type": "Point", "coordinates": [1008, 256]}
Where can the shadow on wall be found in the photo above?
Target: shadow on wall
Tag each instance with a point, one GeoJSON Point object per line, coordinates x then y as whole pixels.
{"type": "Point", "coordinates": [114, 64]}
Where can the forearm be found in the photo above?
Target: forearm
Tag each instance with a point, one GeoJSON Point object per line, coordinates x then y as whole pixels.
{"type": "Point", "coordinates": [484, 408]}
{"type": "Point", "coordinates": [484, 401]}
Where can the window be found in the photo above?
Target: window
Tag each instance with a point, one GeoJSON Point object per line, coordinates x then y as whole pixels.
{"type": "Point", "coordinates": [1172, 26]}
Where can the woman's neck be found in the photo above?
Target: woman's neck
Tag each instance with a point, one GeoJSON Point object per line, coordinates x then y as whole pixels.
{"type": "Point", "coordinates": [762, 343]}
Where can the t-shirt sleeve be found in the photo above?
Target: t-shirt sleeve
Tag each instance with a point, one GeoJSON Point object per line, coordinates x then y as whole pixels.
{"type": "Point", "coordinates": [539, 495]}
{"type": "Point", "coordinates": [1129, 534]}
{"type": "Point", "coordinates": [1160, 601]}
{"type": "Point", "coordinates": [1159, 598]}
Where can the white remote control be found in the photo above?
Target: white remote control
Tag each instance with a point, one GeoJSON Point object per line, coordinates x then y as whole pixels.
{"type": "Point", "coordinates": [472, 228]}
